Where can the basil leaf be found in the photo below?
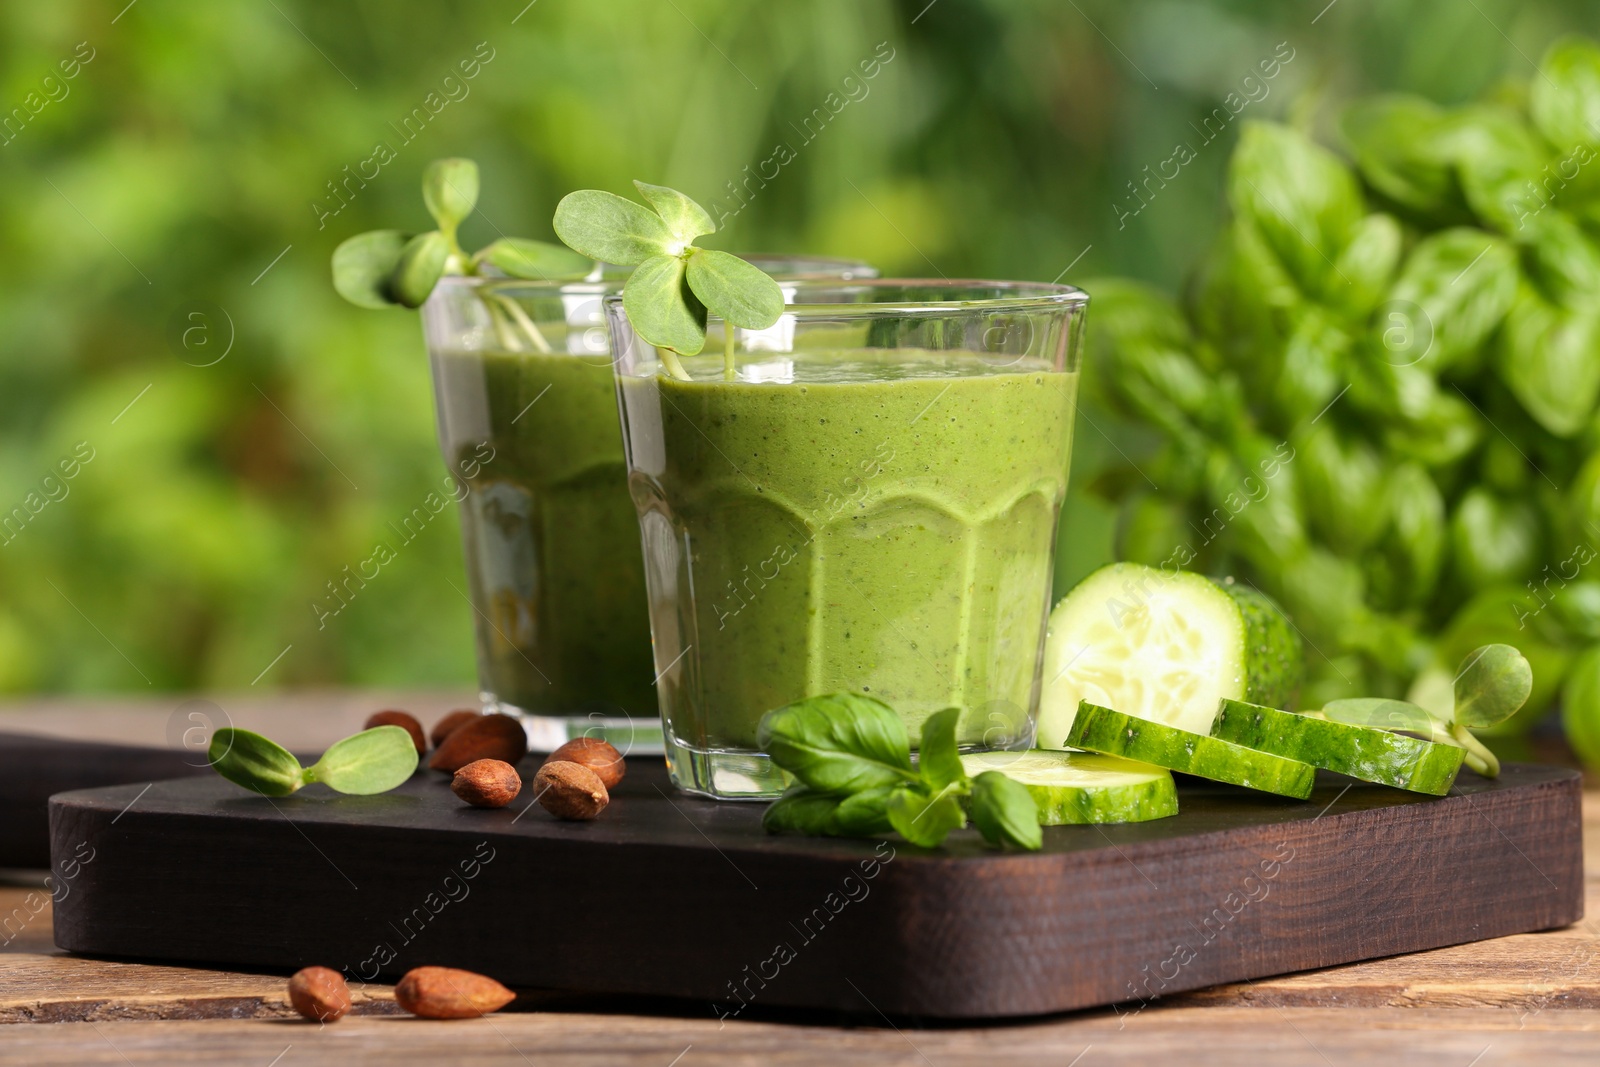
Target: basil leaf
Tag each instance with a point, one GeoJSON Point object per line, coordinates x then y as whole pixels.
{"type": "Point", "coordinates": [865, 813]}
{"type": "Point", "coordinates": [1368, 261]}
{"type": "Point", "coordinates": [1493, 683]}
{"type": "Point", "coordinates": [1580, 706]}
{"type": "Point", "coordinates": [1494, 539]}
{"type": "Point", "coordinates": [363, 264]}
{"type": "Point", "coordinates": [1004, 812]}
{"type": "Point", "coordinates": [1344, 484]}
{"type": "Point", "coordinates": [939, 757]}
{"type": "Point", "coordinates": [1547, 358]}
{"type": "Point", "coordinates": [923, 819]}
{"type": "Point", "coordinates": [840, 743]}
{"type": "Point", "coordinates": [1463, 281]}
{"type": "Point", "coordinates": [607, 227]}
{"type": "Point", "coordinates": [420, 268]}
{"type": "Point", "coordinates": [685, 218]}
{"type": "Point", "coordinates": [1299, 196]}
{"type": "Point", "coordinates": [1565, 262]}
{"type": "Point", "coordinates": [450, 190]}
{"type": "Point", "coordinates": [1564, 98]}
{"type": "Point", "coordinates": [1498, 159]}
{"type": "Point", "coordinates": [801, 810]}
{"type": "Point", "coordinates": [262, 766]}
{"type": "Point", "coordinates": [661, 308]}
{"type": "Point", "coordinates": [741, 293]}
{"type": "Point", "coordinates": [1448, 429]}
{"type": "Point", "coordinates": [1396, 141]}
{"type": "Point", "coordinates": [373, 761]}
{"type": "Point", "coordinates": [522, 258]}
{"type": "Point", "coordinates": [1380, 713]}
{"type": "Point", "coordinates": [1313, 366]}
{"type": "Point", "coordinates": [1416, 538]}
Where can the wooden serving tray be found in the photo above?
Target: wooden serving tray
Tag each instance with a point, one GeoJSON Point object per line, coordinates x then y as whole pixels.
{"type": "Point", "coordinates": [668, 895]}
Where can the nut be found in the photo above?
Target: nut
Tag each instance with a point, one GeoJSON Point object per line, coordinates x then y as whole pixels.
{"type": "Point", "coordinates": [597, 755]}
{"type": "Point", "coordinates": [450, 724]}
{"type": "Point", "coordinates": [319, 993]}
{"type": "Point", "coordinates": [570, 790]}
{"type": "Point", "coordinates": [403, 719]}
{"type": "Point", "coordinates": [448, 993]}
{"type": "Point", "coordinates": [486, 737]}
{"type": "Point", "coordinates": [487, 783]}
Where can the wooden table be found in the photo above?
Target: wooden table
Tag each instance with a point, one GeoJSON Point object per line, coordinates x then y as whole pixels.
{"type": "Point", "coordinates": [1533, 998]}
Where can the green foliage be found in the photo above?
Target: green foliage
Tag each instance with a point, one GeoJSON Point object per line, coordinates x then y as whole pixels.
{"type": "Point", "coordinates": [372, 761]}
{"type": "Point", "coordinates": [1421, 324]}
{"type": "Point", "coordinates": [851, 758]}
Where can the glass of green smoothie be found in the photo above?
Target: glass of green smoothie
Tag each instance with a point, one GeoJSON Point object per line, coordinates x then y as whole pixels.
{"type": "Point", "coordinates": [868, 503]}
{"type": "Point", "coordinates": [527, 413]}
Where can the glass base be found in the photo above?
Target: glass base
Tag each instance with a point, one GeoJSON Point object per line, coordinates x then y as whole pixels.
{"type": "Point", "coordinates": [631, 736]}
{"type": "Point", "coordinates": [724, 775]}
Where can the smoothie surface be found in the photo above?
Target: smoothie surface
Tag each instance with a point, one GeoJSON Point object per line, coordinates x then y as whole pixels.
{"type": "Point", "coordinates": [892, 535]}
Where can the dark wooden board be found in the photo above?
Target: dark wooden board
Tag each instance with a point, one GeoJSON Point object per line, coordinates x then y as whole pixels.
{"type": "Point", "coordinates": [33, 768]}
{"type": "Point", "coordinates": [667, 895]}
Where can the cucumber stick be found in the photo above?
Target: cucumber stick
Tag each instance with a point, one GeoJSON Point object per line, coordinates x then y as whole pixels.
{"type": "Point", "coordinates": [1362, 752]}
{"type": "Point", "coordinates": [1164, 646]}
{"type": "Point", "coordinates": [1084, 787]}
{"type": "Point", "coordinates": [1103, 730]}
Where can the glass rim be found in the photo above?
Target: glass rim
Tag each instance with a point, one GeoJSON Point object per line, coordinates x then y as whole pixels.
{"type": "Point", "coordinates": [816, 269]}
{"type": "Point", "coordinates": [1028, 296]}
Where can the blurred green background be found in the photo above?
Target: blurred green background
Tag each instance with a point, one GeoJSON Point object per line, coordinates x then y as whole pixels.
{"type": "Point", "coordinates": [167, 205]}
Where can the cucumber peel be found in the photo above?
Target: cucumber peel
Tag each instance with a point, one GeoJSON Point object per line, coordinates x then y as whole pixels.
{"type": "Point", "coordinates": [1363, 752]}
{"type": "Point", "coordinates": [1164, 646]}
{"type": "Point", "coordinates": [1100, 729]}
{"type": "Point", "coordinates": [1084, 787]}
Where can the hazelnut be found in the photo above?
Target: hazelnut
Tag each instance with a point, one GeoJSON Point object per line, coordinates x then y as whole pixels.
{"type": "Point", "coordinates": [570, 790]}
{"type": "Point", "coordinates": [597, 755]}
{"type": "Point", "coordinates": [319, 993]}
{"type": "Point", "coordinates": [486, 737]}
{"type": "Point", "coordinates": [403, 719]}
{"type": "Point", "coordinates": [450, 723]}
{"type": "Point", "coordinates": [487, 783]}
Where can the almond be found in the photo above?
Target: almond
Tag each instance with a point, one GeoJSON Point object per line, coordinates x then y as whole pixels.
{"type": "Point", "coordinates": [487, 783]}
{"type": "Point", "coordinates": [450, 724]}
{"type": "Point", "coordinates": [403, 719]}
{"type": "Point", "coordinates": [486, 737]}
{"type": "Point", "coordinates": [319, 993]}
{"type": "Point", "coordinates": [448, 993]}
{"type": "Point", "coordinates": [599, 756]}
{"type": "Point", "coordinates": [570, 790]}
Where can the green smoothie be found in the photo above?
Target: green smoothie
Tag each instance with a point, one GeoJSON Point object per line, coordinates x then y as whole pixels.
{"type": "Point", "coordinates": [806, 531]}
{"type": "Point", "coordinates": [551, 537]}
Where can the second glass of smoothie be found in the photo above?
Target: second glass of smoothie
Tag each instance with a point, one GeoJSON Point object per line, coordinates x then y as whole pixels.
{"type": "Point", "coordinates": [527, 413]}
{"type": "Point", "coordinates": [868, 503]}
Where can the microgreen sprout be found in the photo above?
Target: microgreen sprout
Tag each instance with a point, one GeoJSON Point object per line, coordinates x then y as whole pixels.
{"type": "Point", "coordinates": [393, 268]}
{"type": "Point", "coordinates": [1491, 684]}
{"type": "Point", "coordinates": [372, 761]}
{"type": "Point", "coordinates": [674, 284]}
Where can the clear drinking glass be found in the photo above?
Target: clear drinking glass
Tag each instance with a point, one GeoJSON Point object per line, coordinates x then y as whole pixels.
{"type": "Point", "coordinates": [527, 413]}
{"type": "Point", "coordinates": [868, 503]}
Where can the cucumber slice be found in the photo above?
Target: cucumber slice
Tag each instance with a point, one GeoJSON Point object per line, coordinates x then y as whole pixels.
{"type": "Point", "coordinates": [1363, 752]}
{"type": "Point", "coordinates": [1084, 787]}
{"type": "Point", "coordinates": [1116, 734]}
{"type": "Point", "coordinates": [1165, 646]}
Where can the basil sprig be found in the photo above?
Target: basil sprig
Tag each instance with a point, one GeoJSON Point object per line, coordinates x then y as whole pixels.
{"type": "Point", "coordinates": [851, 757]}
{"type": "Point", "coordinates": [372, 761]}
{"type": "Point", "coordinates": [674, 284]}
{"type": "Point", "coordinates": [1490, 686]}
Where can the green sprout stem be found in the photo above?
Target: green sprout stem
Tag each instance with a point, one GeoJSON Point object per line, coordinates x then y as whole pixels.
{"type": "Point", "coordinates": [728, 369]}
{"type": "Point", "coordinates": [669, 360]}
{"type": "Point", "coordinates": [1478, 757]}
